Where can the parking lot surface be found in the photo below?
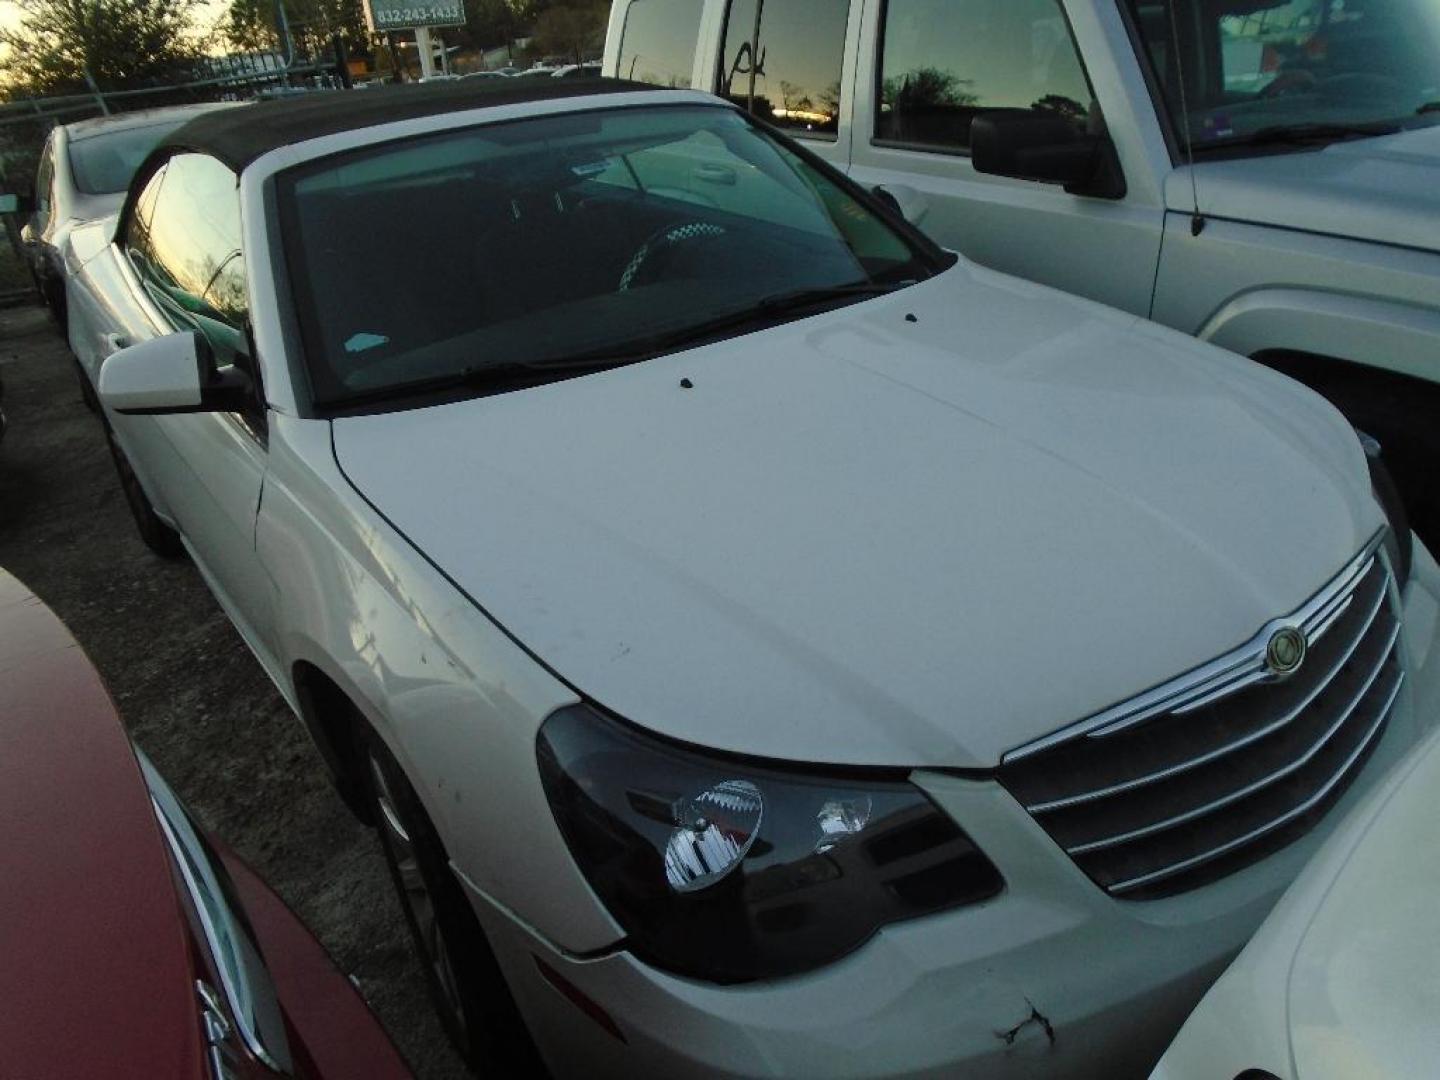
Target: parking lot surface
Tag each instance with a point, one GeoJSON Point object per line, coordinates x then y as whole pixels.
{"type": "Point", "coordinates": [190, 693]}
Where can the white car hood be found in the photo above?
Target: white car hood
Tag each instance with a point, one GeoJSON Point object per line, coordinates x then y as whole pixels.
{"type": "Point", "coordinates": [861, 539]}
{"type": "Point", "coordinates": [1385, 189]}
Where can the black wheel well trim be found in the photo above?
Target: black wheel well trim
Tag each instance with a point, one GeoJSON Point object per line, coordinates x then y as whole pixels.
{"type": "Point", "coordinates": [1353, 385]}
{"type": "Point", "coordinates": [331, 716]}
{"type": "Point", "coordinates": [1344, 366]}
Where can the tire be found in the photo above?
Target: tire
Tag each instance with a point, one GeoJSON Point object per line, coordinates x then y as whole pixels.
{"type": "Point", "coordinates": [158, 536]}
{"type": "Point", "coordinates": [460, 969]}
{"type": "Point", "coordinates": [55, 302]}
{"type": "Point", "coordinates": [87, 390]}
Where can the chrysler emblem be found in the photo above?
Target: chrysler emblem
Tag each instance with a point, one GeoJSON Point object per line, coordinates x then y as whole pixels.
{"type": "Point", "coordinates": [1286, 651]}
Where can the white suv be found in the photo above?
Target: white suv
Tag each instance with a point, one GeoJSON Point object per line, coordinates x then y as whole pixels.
{"type": "Point", "coordinates": [766, 644]}
{"type": "Point", "coordinates": [1053, 139]}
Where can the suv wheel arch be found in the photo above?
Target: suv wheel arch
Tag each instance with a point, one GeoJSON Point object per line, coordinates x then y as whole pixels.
{"type": "Point", "coordinates": [1398, 410]}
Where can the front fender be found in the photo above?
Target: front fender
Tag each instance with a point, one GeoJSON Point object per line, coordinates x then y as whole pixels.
{"type": "Point", "coordinates": [458, 703]}
{"type": "Point", "coordinates": [1398, 337]}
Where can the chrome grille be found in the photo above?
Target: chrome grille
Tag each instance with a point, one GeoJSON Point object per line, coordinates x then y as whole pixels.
{"type": "Point", "coordinates": [1193, 779]}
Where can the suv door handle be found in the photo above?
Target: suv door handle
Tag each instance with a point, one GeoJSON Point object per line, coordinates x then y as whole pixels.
{"type": "Point", "coordinates": [715, 174]}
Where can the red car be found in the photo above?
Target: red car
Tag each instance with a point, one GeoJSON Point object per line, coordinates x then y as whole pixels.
{"type": "Point", "coordinates": [131, 945]}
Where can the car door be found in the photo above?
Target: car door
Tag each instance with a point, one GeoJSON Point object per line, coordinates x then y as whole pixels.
{"type": "Point", "coordinates": [185, 269]}
{"type": "Point", "coordinates": [929, 66]}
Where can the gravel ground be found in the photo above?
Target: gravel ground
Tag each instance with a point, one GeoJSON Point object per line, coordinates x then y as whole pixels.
{"type": "Point", "coordinates": [189, 691]}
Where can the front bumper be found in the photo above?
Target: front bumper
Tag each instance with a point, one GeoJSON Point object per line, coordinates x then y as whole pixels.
{"type": "Point", "coordinates": [1051, 977]}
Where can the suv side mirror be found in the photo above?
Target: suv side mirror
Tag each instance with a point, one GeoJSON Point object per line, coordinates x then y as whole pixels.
{"type": "Point", "coordinates": [1029, 144]}
{"type": "Point", "coordinates": [17, 204]}
{"type": "Point", "coordinates": [171, 374]}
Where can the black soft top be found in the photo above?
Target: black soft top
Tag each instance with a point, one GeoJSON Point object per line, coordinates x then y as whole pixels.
{"type": "Point", "coordinates": [239, 136]}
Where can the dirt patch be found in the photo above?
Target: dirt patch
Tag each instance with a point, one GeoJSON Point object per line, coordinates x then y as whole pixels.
{"type": "Point", "coordinates": [189, 691]}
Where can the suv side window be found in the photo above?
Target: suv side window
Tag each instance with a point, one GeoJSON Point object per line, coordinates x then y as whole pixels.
{"type": "Point", "coordinates": [658, 42]}
{"type": "Point", "coordinates": [943, 61]}
{"type": "Point", "coordinates": [800, 46]}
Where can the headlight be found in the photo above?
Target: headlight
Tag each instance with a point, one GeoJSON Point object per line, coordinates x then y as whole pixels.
{"type": "Point", "coordinates": [730, 870]}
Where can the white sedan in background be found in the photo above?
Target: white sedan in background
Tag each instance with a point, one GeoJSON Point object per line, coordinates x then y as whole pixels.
{"type": "Point", "coordinates": [83, 173]}
{"type": "Point", "coordinates": [766, 644]}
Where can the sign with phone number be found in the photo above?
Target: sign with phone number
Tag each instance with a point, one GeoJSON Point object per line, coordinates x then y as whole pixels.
{"type": "Point", "coordinates": [404, 15]}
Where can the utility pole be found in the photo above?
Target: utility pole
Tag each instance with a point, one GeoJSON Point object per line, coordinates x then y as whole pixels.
{"type": "Point", "coordinates": [426, 51]}
{"type": "Point", "coordinates": [287, 42]}
{"type": "Point", "coordinates": [95, 89]}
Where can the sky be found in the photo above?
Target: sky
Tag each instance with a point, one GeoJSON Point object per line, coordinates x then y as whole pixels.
{"type": "Point", "coordinates": [210, 11]}
{"type": "Point", "coordinates": [207, 15]}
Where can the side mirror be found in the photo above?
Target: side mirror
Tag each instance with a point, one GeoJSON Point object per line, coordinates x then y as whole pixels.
{"type": "Point", "coordinates": [1029, 144]}
{"type": "Point", "coordinates": [16, 204]}
{"type": "Point", "coordinates": [904, 200]}
{"type": "Point", "coordinates": [171, 374]}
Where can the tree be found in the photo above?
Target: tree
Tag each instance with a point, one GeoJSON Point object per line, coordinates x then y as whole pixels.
{"type": "Point", "coordinates": [789, 91]}
{"type": "Point", "coordinates": [575, 30]}
{"type": "Point", "coordinates": [927, 88]}
{"type": "Point", "coordinates": [250, 24]}
{"type": "Point", "coordinates": [1063, 106]}
{"type": "Point", "coordinates": [120, 43]}
{"type": "Point", "coordinates": [830, 99]}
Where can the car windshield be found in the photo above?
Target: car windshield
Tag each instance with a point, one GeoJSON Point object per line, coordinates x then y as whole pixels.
{"type": "Point", "coordinates": [1272, 72]}
{"type": "Point", "coordinates": [104, 164]}
{"type": "Point", "coordinates": [598, 238]}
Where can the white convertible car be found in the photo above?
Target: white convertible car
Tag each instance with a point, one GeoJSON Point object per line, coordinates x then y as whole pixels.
{"type": "Point", "coordinates": [767, 644]}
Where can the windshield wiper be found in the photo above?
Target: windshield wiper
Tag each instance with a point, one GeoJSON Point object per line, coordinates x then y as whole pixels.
{"type": "Point", "coordinates": [511, 374]}
{"type": "Point", "coordinates": [1306, 134]}
{"type": "Point", "coordinates": [501, 376]}
{"type": "Point", "coordinates": [796, 299]}
{"type": "Point", "coordinates": [764, 310]}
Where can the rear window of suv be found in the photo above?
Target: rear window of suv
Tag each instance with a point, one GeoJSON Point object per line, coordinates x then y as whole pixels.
{"type": "Point", "coordinates": [658, 42]}
{"type": "Point", "coordinates": [782, 62]}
